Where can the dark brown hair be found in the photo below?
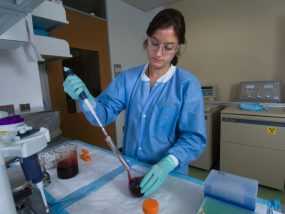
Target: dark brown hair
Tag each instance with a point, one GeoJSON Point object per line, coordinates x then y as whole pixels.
{"type": "Point", "coordinates": [165, 19]}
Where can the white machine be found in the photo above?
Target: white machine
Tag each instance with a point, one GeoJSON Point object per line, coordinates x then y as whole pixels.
{"type": "Point", "coordinates": [210, 155]}
{"type": "Point", "coordinates": [253, 145]}
{"type": "Point", "coordinates": [209, 93]}
{"type": "Point", "coordinates": [261, 91]}
{"type": "Point", "coordinates": [26, 149]}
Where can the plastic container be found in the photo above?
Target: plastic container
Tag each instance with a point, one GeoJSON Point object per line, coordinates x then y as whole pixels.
{"type": "Point", "coordinates": [67, 162]}
{"type": "Point", "coordinates": [150, 206]}
{"type": "Point", "coordinates": [9, 126]}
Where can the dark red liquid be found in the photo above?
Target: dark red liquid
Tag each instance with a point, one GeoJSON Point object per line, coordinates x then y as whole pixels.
{"type": "Point", "coordinates": [68, 167]}
{"type": "Point", "coordinates": [134, 186]}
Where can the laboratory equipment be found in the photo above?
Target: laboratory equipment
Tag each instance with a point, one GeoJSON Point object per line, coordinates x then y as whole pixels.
{"type": "Point", "coordinates": [150, 206]}
{"type": "Point", "coordinates": [67, 163]}
{"type": "Point", "coordinates": [261, 91]}
{"type": "Point", "coordinates": [252, 144]}
{"type": "Point", "coordinates": [108, 139]}
{"type": "Point", "coordinates": [230, 188]}
{"type": "Point", "coordinates": [33, 173]}
{"type": "Point", "coordinates": [10, 126]}
{"type": "Point", "coordinates": [134, 182]}
{"type": "Point", "coordinates": [210, 156]}
{"type": "Point", "coordinates": [209, 93]}
{"type": "Point", "coordinates": [134, 186]}
{"type": "Point", "coordinates": [25, 147]}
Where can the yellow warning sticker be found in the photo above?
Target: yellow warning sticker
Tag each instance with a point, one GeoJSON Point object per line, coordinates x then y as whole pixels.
{"type": "Point", "coordinates": [271, 130]}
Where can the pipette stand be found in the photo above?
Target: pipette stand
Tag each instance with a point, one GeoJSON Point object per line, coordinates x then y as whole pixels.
{"type": "Point", "coordinates": [23, 149]}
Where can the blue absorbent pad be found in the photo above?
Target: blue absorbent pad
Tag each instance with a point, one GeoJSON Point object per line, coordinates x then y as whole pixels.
{"type": "Point", "coordinates": [251, 107]}
{"type": "Point", "coordinates": [231, 188]}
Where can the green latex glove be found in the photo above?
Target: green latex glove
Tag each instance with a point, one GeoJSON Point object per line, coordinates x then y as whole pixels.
{"type": "Point", "coordinates": [157, 175]}
{"type": "Point", "coordinates": [73, 86]}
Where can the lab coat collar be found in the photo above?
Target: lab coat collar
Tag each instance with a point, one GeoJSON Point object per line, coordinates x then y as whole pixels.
{"type": "Point", "coordinates": [163, 79]}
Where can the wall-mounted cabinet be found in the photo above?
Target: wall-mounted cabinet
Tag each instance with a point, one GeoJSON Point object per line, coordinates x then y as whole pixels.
{"type": "Point", "coordinates": [11, 11]}
{"type": "Point", "coordinates": [20, 5]}
{"type": "Point", "coordinates": [50, 48]}
{"type": "Point", "coordinates": [46, 17]}
{"type": "Point", "coordinates": [49, 15]}
{"type": "Point", "coordinates": [16, 36]}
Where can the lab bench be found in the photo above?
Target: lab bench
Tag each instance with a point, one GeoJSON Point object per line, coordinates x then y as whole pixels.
{"type": "Point", "coordinates": [102, 187]}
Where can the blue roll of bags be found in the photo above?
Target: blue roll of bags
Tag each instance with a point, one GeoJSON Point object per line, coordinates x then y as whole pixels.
{"type": "Point", "coordinates": [256, 107]}
{"type": "Point", "coordinates": [232, 189]}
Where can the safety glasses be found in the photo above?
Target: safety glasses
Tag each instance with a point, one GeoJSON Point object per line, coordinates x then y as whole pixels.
{"type": "Point", "coordinates": [166, 48]}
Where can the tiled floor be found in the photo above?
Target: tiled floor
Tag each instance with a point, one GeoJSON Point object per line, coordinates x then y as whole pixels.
{"type": "Point", "coordinates": [264, 192]}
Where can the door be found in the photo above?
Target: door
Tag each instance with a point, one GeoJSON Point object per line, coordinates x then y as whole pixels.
{"type": "Point", "coordinates": [87, 36]}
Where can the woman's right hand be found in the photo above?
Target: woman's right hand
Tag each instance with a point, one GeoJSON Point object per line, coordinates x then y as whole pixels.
{"type": "Point", "coordinates": [74, 86]}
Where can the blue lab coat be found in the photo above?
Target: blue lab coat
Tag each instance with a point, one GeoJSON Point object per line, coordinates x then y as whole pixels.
{"type": "Point", "coordinates": [167, 118]}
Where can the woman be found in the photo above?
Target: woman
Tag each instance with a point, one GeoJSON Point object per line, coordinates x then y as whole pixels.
{"type": "Point", "coordinates": [164, 122]}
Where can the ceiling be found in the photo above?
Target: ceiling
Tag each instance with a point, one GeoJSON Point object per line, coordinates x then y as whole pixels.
{"type": "Point", "coordinates": [88, 6]}
{"type": "Point", "coordinates": [148, 5]}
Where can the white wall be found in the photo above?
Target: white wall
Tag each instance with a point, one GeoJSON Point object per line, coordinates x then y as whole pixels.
{"type": "Point", "coordinates": [19, 80]}
{"type": "Point", "coordinates": [233, 41]}
{"type": "Point", "coordinates": [126, 26]}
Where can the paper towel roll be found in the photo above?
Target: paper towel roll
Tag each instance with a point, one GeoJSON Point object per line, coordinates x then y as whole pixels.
{"type": "Point", "coordinates": [231, 188]}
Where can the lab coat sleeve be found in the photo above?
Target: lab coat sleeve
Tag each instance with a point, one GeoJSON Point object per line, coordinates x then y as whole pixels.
{"type": "Point", "coordinates": [191, 131]}
{"type": "Point", "coordinates": [109, 103]}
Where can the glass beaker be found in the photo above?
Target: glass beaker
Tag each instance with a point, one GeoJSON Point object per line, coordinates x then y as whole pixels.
{"type": "Point", "coordinates": [67, 162]}
{"type": "Point", "coordinates": [134, 182]}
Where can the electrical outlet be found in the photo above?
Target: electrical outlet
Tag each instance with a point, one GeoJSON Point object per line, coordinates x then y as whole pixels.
{"type": "Point", "coordinates": [25, 107]}
{"type": "Point", "coordinates": [117, 68]}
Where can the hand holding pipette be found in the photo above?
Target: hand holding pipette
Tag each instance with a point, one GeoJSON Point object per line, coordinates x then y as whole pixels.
{"type": "Point", "coordinates": [84, 95]}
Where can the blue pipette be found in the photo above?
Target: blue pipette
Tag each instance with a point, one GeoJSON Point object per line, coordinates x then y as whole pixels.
{"type": "Point", "coordinates": [108, 139]}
